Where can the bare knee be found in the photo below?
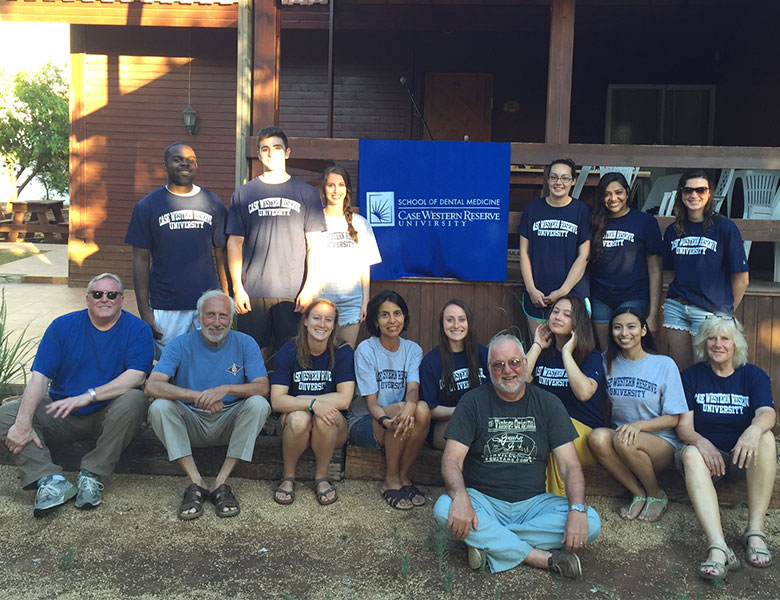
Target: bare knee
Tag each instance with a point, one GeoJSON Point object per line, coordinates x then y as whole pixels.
{"type": "Point", "coordinates": [298, 423]}
{"type": "Point", "coordinates": [422, 414]}
{"type": "Point", "coordinates": [600, 439]}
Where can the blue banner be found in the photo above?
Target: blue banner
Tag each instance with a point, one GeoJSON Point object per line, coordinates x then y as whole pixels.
{"type": "Point", "coordinates": [438, 209]}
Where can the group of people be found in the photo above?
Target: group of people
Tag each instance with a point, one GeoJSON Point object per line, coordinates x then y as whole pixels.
{"type": "Point", "coordinates": [516, 426]}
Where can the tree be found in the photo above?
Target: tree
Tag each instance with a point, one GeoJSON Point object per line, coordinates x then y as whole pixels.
{"type": "Point", "coordinates": [34, 128]}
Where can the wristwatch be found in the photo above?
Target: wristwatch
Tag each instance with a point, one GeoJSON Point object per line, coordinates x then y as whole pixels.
{"type": "Point", "coordinates": [92, 395]}
{"type": "Point", "coordinates": [578, 507]}
{"type": "Point", "coordinates": [381, 420]}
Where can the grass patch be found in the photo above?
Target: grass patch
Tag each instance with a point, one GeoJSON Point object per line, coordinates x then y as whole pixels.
{"type": "Point", "coordinates": [11, 254]}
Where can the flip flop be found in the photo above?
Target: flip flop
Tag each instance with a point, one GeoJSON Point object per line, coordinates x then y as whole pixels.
{"type": "Point", "coordinates": [322, 497]}
{"type": "Point", "coordinates": [279, 490]}
{"type": "Point", "coordinates": [223, 498]}
{"type": "Point", "coordinates": [395, 497]}
{"type": "Point", "coordinates": [413, 494]}
{"type": "Point", "coordinates": [753, 552]}
{"type": "Point", "coordinates": [649, 503]}
{"type": "Point", "coordinates": [194, 497]}
{"type": "Point", "coordinates": [625, 512]}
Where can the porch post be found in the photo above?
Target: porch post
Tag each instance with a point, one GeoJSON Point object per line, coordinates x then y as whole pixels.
{"type": "Point", "coordinates": [560, 72]}
{"type": "Point", "coordinates": [265, 67]}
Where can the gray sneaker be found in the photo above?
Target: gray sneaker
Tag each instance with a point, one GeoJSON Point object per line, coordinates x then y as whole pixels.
{"type": "Point", "coordinates": [89, 490]}
{"type": "Point", "coordinates": [477, 557]}
{"type": "Point", "coordinates": [51, 494]}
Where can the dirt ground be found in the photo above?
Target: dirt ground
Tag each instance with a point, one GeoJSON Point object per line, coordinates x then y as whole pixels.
{"type": "Point", "coordinates": [133, 546]}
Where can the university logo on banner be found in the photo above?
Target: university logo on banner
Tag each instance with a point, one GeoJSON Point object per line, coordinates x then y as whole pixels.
{"type": "Point", "coordinates": [438, 209]}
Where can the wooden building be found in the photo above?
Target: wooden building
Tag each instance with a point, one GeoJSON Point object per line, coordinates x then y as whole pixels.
{"type": "Point", "coordinates": [671, 84]}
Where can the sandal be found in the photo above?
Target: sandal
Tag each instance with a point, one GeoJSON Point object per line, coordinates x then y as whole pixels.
{"type": "Point", "coordinates": [626, 512]}
{"type": "Point", "coordinates": [395, 497]}
{"type": "Point", "coordinates": [753, 552]}
{"type": "Point", "coordinates": [322, 497]}
{"type": "Point", "coordinates": [279, 490]}
{"type": "Point", "coordinates": [649, 503]}
{"type": "Point", "coordinates": [722, 570]}
{"type": "Point", "coordinates": [223, 498]}
{"type": "Point", "coordinates": [415, 495]}
{"type": "Point", "coordinates": [564, 563]}
{"type": "Point", "coordinates": [194, 497]}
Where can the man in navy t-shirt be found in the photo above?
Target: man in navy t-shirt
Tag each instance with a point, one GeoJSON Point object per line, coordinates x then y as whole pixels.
{"type": "Point", "coordinates": [95, 360]}
{"type": "Point", "coordinates": [210, 388]}
{"type": "Point", "coordinates": [178, 234]}
{"type": "Point", "coordinates": [270, 224]}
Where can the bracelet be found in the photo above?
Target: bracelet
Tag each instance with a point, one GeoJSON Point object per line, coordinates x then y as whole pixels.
{"type": "Point", "coordinates": [381, 420]}
{"type": "Point", "coordinates": [311, 405]}
{"type": "Point", "coordinates": [92, 395]}
{"type": "Point", "coordinates": [537, 343]}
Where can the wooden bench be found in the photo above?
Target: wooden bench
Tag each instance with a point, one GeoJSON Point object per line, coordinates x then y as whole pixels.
{"type": "Point", "coordinates": [32, 217]}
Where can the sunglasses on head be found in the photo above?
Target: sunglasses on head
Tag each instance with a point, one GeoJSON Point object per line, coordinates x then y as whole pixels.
{"type": "Point", "coordinates": [97, 295]}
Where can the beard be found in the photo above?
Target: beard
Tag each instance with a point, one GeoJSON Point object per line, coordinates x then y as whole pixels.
{"type": "Point", "coordinates": [215, 335]}
{"type": "Point", "coordinates": [505, 387]}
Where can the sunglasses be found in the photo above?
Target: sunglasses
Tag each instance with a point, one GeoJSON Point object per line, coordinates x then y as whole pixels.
{"type": "Point", "coordinates": [110, 295]}
{"type": "Point", "coordinates": [699, 190]}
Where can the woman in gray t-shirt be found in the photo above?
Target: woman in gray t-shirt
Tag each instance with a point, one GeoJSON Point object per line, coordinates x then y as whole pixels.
{"type": "Point", "coordinates": [647, 400]}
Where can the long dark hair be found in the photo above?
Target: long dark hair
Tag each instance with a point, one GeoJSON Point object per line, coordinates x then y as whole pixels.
{"type": "Point", "coordinates": [581, 323]}
{"type": "Point", "coordinates": [347, 206]}
{"type": "Point", "coordinates": [470, 347]}
{"type": "Point", "coordinates": [648, 343]}
{"type": "Point", "coordinates": [681, 212]}
{"type": "Point", "coordinates": [302, 351]}
{"type": "Point", "coordinates": [599, 215]}
{"type": "Point", "coordinates": [372, 310]}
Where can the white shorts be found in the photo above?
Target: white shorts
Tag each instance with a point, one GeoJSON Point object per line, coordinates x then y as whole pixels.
{"type": "Point", "coordinates": [173, 323]}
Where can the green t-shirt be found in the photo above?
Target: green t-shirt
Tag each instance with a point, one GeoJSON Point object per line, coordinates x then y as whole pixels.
{"type": "Point", "coordinates": [509, 442]}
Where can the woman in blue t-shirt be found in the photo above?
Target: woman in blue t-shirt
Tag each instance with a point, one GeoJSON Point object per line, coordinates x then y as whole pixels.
{"type": "Point", "coordinates": [388, 413]}
{"type": "Point", "coordinates": [625, 258]}
{"type": "Point", "coordinates": [647, 399]}
{"type": "Point", "coordinates": [563, 360]}
{"type": "Point", "coordinates": [313, 382]}
{"type": "Point", "coordinates": [457, 365]}
{"type": "Point", "coordinates": [729, 433]}
{"type": "Point", "coordinates": [706, 253]}
{"type": "Point", "coordinates": [554, 245]}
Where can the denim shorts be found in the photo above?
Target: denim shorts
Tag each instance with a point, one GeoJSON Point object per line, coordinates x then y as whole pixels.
{"type": "Point", "coordinates": [361, 433]}
{"type": "Point", "coordinates": [602, 312]}
{"type": "Point", "coordinates": [685, 317]}
{"type": "Point", "coordinates": [733, 472]}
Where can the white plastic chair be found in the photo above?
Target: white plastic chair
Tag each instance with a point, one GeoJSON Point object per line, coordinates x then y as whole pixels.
{"type": "Point", "coordinates": [724, 190]}
{"type": "Point", "coordinates": [630, 173]}
{"type": "Point", "coordinates": [667, 204]}
{"type": "Point", "coordinates": [761, 197]}
{"type": "Point", "coordinates": [662, 186]}
{"type": "Point", "coordinates": [581, 178]}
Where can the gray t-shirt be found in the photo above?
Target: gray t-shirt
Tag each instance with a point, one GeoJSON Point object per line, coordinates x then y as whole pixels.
{"type": "Point", "coordinates": [384, 373]}
{"type": "Point", "coordinates": [509, 442]}
{"type": "Point", "coordinates": [645, 389]}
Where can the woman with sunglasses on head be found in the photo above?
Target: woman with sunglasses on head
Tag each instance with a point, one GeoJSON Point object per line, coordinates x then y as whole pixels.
{"type": "Point", "coordinates": [728, 433]}
{"type": "Point", "coordinates": [457, 365]}
{"type": "Point", "coordinates": [625, 258]}
{"type": "Point", "coordinates": [554, 245]}
{"type": "Point", "coordinates": [341, 257]}
{"type": "Point", "coordinates": [312, 386]}
{"type": "Point", "coordinates": [706, 253]}
{"type": "Point", "coordinates": [647, 400]}
{"type": "Point", "coordinates": [388, 412]}
{"type": "Point", "coordinates": [563, 360]}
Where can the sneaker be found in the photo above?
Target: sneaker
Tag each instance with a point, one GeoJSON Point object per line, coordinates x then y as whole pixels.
{"type": "Point", "coordinates": [564, 563]}
{"type": "Point", "coordinates": [477, 557]}
{"type": "Point", "coordinates": [89, 490]}
{"type": "Point", "coordinates": [53, 491]}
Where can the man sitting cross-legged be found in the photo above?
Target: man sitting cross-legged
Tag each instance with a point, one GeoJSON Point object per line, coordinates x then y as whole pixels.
{"type": "Point", "coordinates": [494, 462]}
{"type": "Point", "coordinates": [210, 388]}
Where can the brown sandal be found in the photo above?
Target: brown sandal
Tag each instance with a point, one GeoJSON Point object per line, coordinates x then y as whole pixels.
{"type": "Point", "coordinates": [223, 498]}
{"type": "Point", "coordinates": [194, 497]}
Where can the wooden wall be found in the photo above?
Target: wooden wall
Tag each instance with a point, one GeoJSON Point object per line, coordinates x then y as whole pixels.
{"type": "Point", "coordinates": [135, 88]}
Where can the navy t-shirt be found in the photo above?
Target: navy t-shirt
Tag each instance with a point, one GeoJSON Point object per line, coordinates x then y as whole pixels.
{"type": "Point", "coordinates": [77, 356]}
{"type": "Point", "coordinates": [621, 272]}
{"type": "Point", "coordinates": [723, 407]}
{"type": "Point", "coordinates": [703, 263]}
{"type": "Point", "coordinates": [550, 375]}
{"type": "Point", "coordinates": [180, 231]}
{"type": "Point", "coordinates": [432, 386]}
{"type": "Point", "coordinates": [317, 380]}
{"type": "Point", "coordinates": [554, 236]}
{"type": "Point", "coordinates": [274, 219]}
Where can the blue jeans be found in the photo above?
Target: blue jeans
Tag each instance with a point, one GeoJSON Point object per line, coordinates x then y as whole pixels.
{"type": "Point", "coordinates": [508, 531]}
{"type": "Point", "coordinates": [602, 312]}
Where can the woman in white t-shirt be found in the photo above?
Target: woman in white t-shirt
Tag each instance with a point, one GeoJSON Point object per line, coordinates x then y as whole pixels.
{"type": "Point", "coordinates": [340, 258]}
{"type": "Point", "coordinates": [647, 400]}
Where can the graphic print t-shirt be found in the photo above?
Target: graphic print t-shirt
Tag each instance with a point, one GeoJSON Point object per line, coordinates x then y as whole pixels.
{"type": "Point", "coordinates": [432, 386]}
{"type": "Point", "coordinates": [319, 378]}
{"type": "Point", "coordinates": [509, 442]}
{"type": "Point", "coordinates": [554, 236]}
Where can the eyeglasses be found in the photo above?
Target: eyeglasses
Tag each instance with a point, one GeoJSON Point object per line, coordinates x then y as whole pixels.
{"type": "Point", "coordinates": [97, 295]}
{"type": "Point", "coordinates": [499, 365]}
{"type": "Point", "coordinates": [720, 317]}
{"type": "Point", "coordinates": [562, 179]}
{"type": "Point", "coordinates": [687, 191]}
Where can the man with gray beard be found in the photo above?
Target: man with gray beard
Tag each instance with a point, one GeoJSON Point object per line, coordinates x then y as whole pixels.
{"type": "Point", "coordinates": [211, 389]}
{"type": "Point", "coordinates": [498, 443]}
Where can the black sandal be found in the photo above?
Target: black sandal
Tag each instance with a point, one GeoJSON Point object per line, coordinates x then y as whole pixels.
{"type": "Point", "coordinates": [322, 497]}
{"type": "Point", "coordinates": [194, 497]}
{"type": "Point", "coordinates": [223, 498]}
{"type": "Point", "coordinates": [279, 490]}
{"type": "Point", "coordinates": [395, 497]}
